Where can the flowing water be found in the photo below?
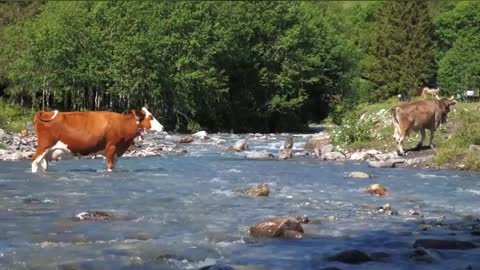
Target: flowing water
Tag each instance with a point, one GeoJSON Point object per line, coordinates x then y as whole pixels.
{"type": "Point", "coordinates": [183, 212]}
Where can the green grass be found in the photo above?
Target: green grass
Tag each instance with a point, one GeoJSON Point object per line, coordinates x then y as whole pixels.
{"type": "Point", "coordinates": [14, 117]}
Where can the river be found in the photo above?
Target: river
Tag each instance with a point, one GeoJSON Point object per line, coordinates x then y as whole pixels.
{"type": "Point", "coordinates": [183, 212]}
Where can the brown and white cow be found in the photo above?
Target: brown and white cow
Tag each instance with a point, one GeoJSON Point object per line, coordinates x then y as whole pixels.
{"type": "Point", "coordinates": [418, 116]}
{"type": "Point", "coordinates": [87, 133]}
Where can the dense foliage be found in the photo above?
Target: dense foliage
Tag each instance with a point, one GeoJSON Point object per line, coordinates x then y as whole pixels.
{"type": "Point", "coordinates": [232, 66]}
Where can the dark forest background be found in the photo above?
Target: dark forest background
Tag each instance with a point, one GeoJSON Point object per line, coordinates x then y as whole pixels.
{"type": "Point", "coordinates": [233, 66]}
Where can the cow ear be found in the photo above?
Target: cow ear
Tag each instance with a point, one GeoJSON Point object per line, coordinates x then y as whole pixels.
{"type": "Point", "coordinates": [139, 115]}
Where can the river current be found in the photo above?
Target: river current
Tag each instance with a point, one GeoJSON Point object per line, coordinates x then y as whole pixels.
{"type": "Point", "coordinates": [184, 212]}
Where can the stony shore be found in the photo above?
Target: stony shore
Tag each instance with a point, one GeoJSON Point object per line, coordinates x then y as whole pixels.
{"type": "Point", "coordinates": [22, 146]}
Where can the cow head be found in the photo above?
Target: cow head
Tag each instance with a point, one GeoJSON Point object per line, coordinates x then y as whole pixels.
{"type": "Point", "coordinates": [146, 121]}
{"type": "Point", "coordinates": [445, 104]}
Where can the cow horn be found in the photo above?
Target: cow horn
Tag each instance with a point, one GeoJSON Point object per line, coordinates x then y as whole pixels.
{"type": "Point", "coordinates": [437, 97]}
{"type": "Point", "coordinates": [450, 98]}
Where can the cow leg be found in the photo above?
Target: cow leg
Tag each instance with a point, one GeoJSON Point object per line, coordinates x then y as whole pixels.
{"type": "Point", "coordinates": [401, 137]}
{"type": "Point", "coordinates": [39, 158]}
{"type": "Point", "coordinates": [431, 139]}
{"type": "Point", "coordinates": [110, 153]}
{"type": "Point", "coordinates": [420, 143]}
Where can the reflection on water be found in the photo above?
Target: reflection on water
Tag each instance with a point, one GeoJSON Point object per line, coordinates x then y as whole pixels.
{"type": "Point", "coordinates": [182, 212]}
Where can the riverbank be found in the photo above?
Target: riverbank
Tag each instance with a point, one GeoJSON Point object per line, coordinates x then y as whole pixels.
{"type": "Point", "coordinates": [366, 135]}
{"type": "Point", "coordinates": [456, 142]}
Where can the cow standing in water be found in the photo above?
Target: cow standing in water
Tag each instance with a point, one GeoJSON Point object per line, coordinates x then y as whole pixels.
{"type": "Point", "coordinates": [86, 133]}
{"type": "Point", "coordinates": [419, 116]}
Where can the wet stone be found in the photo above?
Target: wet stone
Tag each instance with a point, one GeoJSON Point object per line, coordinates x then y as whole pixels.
{"type": "Point", "coordinates": [217, 267]}
{"type": "Point", "coordinates": [259, 190]}
{"type": "Point", "coordinates": [358, 175]}
{"type": "Point", "coordinates": [32, 200]}
{"type": "Point", "coordinates": [280, 227]}
{"type": "Point", "coordinates": [443, 244]}
{"type": "Point", "coordinates": [351, 257]}
{"type": "Point", "coordinates": [93, 216]}
{"type": "Point", "coordinates": [376, 189]}
{"type": "Point", "coordinates": [187, 139]}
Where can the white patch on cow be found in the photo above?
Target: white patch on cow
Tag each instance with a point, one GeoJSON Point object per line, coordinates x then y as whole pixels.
{"type": "Point", "coordinates": [54, 153]}
{"type": "Point", "coordinates": [54, 114]}
{"type": "Point", "coordinates": [156, 126]}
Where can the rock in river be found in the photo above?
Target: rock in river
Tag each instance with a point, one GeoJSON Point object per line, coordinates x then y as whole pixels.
{"type": "Point", "coordinates": [93, 216]}
{"type": "Point", "coordinates": [259, 190]}
{"type": "Point", "coordinates": [358, 175]}
{"type": "Point", "coordinates": [280, 227]}
{"type": "Point", "coordinates": [376, 189]}
{"type": "Point", "coordinates": [443, 244]}
{"type": "Point", "coordinates": [351, 257]}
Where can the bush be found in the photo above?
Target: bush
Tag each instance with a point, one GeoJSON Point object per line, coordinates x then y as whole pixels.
{"type": "Point", "coordinates": [14, 117]}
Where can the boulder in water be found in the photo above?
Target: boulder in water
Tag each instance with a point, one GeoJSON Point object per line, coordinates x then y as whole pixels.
{"type": "Point", "coordinates": [333, 156]}
{"type": "Point", "coordinates": [239, 146]}
{"type": "Point", "coordinates": [259, 155]}
{"type": "Point", "coordinates": [259, 190]}
{"type": "Point", "coordinates": [93, 216]}
{"type": "Point", "coordinates": [443, 244]}
{"type": "Point", "coordinates": [202, 135]}
{"type": "Point", "coordinates": [217, 267]}
{"type": "Point", "coordinates": [280, 227]}
{"type": "Point", "coordinates": [351, 257]}
{"type": "Point", "coordinates": [359, 175]}
{"type": "Point", "coordinates": [186, 139]}
{"type": "Point", "coordinates": [376, 189]}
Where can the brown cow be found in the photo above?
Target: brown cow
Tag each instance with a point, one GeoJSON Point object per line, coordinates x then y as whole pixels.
{"type": "Point", "coordinates": [418, 116]}
{"type": "Point", "coordinates": [88, 132]}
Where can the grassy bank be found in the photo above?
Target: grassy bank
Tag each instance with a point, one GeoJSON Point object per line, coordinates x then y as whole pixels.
{"type": "Point", "coordinates": [370, 126]}
{"type": "Point", "coordinates": [14, 117]}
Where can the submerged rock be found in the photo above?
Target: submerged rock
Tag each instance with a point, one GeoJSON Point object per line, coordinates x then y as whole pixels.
{"type": "Point", "coordinates": [186, 139]}
{"type": "Point", "coordinates": [333, 156]}
{"type": "Point", "coordinates": [381, 164]}
{"type": "Point", "coordinates": [351, 257]}
{"type": "Point", "coordinates": [239, 146]}
{"type": "Point", "coordinates": [376, 189]}
{"type": "Point", "coordinates": [259, 155]}
{"type": "Point", "coordinates": [259, 190]}
{"type": "Point", "coordinates": [217, 267]}
{"type": "Point", "coordinates": [422, 255]}
{"type": "Point", "coordinates": [443, 244]}
{"type": "Point", "coordinates": [202, 135]}
{"type": "Point", "coordinates": [281, 227]}
{"type": "Point", "coordinates": [93, 216]}
{"type": "Point", "coordinates": [386, 209]}
{"type": "Point", "coordinates": [358, 175]}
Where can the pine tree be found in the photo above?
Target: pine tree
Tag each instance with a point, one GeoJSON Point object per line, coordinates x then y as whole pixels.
{"type": "Point", "coordinates": [402, 48]}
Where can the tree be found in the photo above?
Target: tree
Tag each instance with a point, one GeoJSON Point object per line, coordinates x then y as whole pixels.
{"type": "Point", "coordinates": [402, 48]}
{"type": "Point", "coordinates": [459, 69]}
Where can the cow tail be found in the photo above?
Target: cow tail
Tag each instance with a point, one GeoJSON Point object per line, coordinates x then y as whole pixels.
{"type": "Point", "coordinates": [46, 116]}
{"type": "Point", "coordinates": [396, 124]}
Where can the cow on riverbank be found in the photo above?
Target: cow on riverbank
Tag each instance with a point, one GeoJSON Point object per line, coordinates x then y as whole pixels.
{"type": "Point", "coordinates": [418, 116]}
{"type": "Point", "coordinates": [89, 132]}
